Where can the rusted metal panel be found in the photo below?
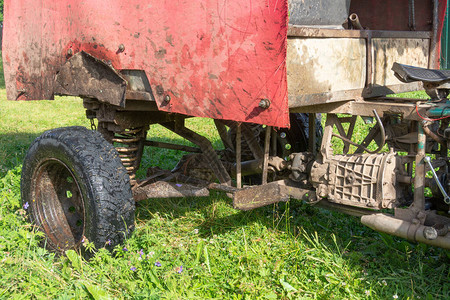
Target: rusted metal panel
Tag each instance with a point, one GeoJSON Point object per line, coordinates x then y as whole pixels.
{"type": "Point", "coordinates": [414, 52]}
{"type": "Point", "coordinates": [321, 65]}
{"type": "Point", "coordinates": [314, 77]}
{"type": "Point", "coordinates": [202, 58]}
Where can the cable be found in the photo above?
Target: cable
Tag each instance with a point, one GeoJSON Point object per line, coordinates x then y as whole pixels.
{"type": "Point", "coordinates": [428, 119]}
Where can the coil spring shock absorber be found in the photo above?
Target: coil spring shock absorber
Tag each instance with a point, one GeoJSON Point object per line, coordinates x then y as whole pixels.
{"type": "Point", "coordinates": [130, 145]}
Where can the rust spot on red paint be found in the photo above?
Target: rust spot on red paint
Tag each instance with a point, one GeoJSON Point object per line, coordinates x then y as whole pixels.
{"type": "Point", "coordinates": [169, 39]}
{"type": "Point", "coordinates": [25, 57]}
{"type": "Point", "coordinates": [161, 53]}
{"type": "Point", "coordinates": [212, 76]}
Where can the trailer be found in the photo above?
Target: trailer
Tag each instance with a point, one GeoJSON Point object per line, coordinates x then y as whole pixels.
{"type": "Point", "coordinates": [266, 72]}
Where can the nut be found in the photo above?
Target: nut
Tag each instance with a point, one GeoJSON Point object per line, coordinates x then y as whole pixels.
{"type": "Point", "coordinates": [264, 103]}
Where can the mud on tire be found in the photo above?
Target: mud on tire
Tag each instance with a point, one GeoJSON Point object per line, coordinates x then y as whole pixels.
{"type": "Point", "coordinates": [74, 186]}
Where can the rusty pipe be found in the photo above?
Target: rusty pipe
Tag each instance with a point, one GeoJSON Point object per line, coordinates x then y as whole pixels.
{"type": "Point", "coordinates": [354, 19]}
{"type": "Point", "coordinates": [419, 179]}
{"type": "Point", "coordinates": [433, 135]}
{"type": "Point", "coordinates": [249, 167]}
{"type": "Point", "coordinates": [256, 166]}
{"type": "Point", "coordinates": [407, 230]}
{"type": "Point", "coordinates": [433, 60]}
{"type": "Point", "coordinates": [405, 179]}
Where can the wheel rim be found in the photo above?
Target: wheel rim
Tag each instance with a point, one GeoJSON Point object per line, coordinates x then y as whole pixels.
{"type": "Point", "coordinates": [58, 204]}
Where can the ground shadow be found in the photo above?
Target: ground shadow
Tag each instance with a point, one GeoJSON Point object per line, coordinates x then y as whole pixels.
{"type": "Point", "coordinates": [2, 76]}
{"type": "Point", "coordinates": [13, 148]}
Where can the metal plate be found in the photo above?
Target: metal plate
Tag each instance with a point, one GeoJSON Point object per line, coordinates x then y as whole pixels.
{"type": "Point", "coordinates": [318, 12]}
{"type": "Point", "coordinates": [313, 66]}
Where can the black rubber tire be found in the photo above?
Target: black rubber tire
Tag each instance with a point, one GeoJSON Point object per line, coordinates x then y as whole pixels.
{"type": "Point", "coordinates": [74, 186]}
{"type": "Point", "coordinates": [298, 135]}
{"type": "Point", "coordinates": [292, 140]}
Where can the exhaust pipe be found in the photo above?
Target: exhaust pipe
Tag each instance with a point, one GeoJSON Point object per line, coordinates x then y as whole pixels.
{"type": "Point", "coordinates": [407, 230]}
{"type": "Point", "coordinates": [354, 19]}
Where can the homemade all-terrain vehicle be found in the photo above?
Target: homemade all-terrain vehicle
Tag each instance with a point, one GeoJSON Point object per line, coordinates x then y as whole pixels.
{"type": "Point", "coordinates": [266, 72]}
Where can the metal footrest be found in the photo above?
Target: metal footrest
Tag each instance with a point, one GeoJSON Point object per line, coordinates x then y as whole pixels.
{"type": "Point", "coordinates": [407, 74]}
{"type": "Point", "coordinates": [270, 193]}
{"type": "Point", "coordinates": [162, 189]}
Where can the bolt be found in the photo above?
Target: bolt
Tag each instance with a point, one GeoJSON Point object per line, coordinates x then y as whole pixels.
{"type": "Point", "coordinates": [70, 52]}
{"type": "Point", "coordinates": [264, 103]}
{"type": "Point", "coordinates": [167, 98]}
{"type": "Point", "coordinates": [121, 47]}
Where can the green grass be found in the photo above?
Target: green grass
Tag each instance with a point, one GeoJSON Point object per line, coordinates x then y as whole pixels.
{"type": "Point", "coordinates": [285, 251]}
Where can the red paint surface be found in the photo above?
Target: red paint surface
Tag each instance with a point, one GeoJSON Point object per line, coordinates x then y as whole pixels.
{"type": "Point", "coordinates": [215, 58]}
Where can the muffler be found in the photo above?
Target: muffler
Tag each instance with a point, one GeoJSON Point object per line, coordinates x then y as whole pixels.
{"type": "Point", "coordinates": [439, 237]}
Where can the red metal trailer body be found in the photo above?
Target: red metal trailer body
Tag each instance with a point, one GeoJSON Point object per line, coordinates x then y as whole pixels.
{"type": "Point", "coordinates": [214, 59]}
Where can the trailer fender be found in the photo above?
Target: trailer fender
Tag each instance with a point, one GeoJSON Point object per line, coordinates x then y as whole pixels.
{"type": "Point", "coordinates": [84, 75]}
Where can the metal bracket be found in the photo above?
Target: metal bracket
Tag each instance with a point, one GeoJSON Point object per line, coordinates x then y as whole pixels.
{"type": "Point", "coordinates": [86, 76]}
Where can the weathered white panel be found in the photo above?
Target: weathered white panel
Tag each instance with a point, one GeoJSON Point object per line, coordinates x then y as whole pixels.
{"type": "Point", "coordinates": [320, 65]}
{"type": "Point", "coordinates": [412, 52]}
